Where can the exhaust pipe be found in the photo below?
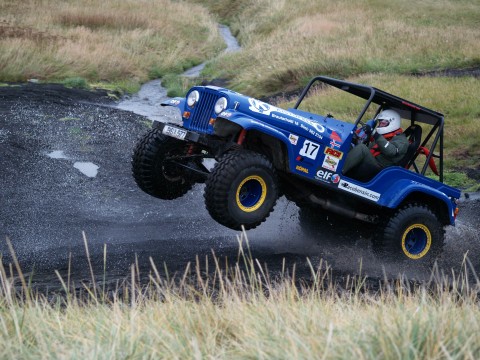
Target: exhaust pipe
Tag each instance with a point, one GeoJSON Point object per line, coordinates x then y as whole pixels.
{"type": "Point", "coordinates": [331, 206]}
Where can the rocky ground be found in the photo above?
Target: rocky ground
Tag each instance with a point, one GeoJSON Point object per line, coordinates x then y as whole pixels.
{"type": "Point", "coordinates": [65, 169]}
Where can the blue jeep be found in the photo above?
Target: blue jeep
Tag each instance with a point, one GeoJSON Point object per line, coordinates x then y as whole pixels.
{"type": "Point", "coordinates": [263, 152]}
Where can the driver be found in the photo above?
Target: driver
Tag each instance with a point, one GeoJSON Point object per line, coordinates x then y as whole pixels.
{"type": "Point", "coordinates": [388, 145]}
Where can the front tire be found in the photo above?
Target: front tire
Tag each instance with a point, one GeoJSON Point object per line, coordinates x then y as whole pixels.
{"type": "Point", "coordinates": [241, 190]}
{"type": "Point", "coordinates": [414, 233]}
{"type": "Point", "coordinates": [152, 171]}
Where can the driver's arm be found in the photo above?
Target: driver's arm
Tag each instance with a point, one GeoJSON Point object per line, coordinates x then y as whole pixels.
{"type": "Point", "coordinates": [391, 148]}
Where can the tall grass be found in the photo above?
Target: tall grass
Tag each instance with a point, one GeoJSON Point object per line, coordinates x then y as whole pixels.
{"type": "Point", "coordinates": [108, 41]}
{"type": "Point", "coordinates": [241, 311]}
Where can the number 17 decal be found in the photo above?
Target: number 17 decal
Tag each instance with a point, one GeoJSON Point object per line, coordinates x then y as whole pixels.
{"type": "Point", "coordinates": [310, 149]}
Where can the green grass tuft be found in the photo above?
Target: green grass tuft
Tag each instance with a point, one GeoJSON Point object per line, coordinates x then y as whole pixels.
{"type": "Point", "coordinates": [76, 82]}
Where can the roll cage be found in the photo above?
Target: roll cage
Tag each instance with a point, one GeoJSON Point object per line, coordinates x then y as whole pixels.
{"type": "Point", "coordinates": [407, 110]}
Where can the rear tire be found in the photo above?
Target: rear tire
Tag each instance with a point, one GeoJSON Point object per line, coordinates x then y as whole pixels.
{"type": "Point", "coordinates": [414, 233]}
{"type": "Point", "coordinates": [152, 173]}
{"type": "Point", "coordinates": [241, 190]}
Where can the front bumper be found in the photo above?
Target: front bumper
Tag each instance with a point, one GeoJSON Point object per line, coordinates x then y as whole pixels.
{"type": "Point", "coordinates": [191, 136]}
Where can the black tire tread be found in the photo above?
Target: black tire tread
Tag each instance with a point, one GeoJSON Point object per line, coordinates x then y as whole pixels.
{"type": "Point", "coordinates": [218, 184]}
{"type": "Point", "coordinates": [384, 245]}
{"type": "Point", "coordinates": [151, 145]}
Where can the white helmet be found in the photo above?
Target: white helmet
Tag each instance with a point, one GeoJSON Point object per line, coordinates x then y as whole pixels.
{"type": "Point", "coordinates": [388, 121]}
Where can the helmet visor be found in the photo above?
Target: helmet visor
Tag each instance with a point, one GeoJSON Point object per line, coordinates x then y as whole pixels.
{"type": "Point", "coordinates": [383, 123]}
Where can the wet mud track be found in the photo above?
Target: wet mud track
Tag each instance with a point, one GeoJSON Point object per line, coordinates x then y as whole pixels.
{"type": "Point", "coordinates": [48, 200]}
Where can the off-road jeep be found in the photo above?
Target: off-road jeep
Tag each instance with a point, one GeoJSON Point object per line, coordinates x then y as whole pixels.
{"type": "Point", "coordinates": [263, 152]}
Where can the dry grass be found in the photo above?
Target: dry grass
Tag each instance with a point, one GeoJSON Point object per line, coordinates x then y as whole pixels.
{"type": "Point", "coordinates": [102, 40]}
{"type": "Point", "coordinates": [286, 43]}
{"type": "Point", "coordinates": [243, 313]}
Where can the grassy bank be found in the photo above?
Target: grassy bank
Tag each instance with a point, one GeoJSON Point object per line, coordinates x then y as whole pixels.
{"type": "Point", "coordinates": [123, 42]}
{"type": "Point", "coordinates": [287, 42]}
{"type": "Point", "coordinates": [243, 313]}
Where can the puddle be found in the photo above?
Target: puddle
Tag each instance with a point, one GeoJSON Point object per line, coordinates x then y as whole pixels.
{"type": "Point", "coordinates": [472, 196]}
{"type": "Point", "coordinates": [87, 168]}
{"type": "Point", "coordinates": [57, 154]}
{"type": "Point", "coordinates": [147, 102]}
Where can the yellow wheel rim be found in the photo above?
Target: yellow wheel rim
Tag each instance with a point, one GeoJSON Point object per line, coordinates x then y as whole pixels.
{"type": "Point", "coordinates": [251, 193]}
{"type": "Point", "coordinates": [416, 241]}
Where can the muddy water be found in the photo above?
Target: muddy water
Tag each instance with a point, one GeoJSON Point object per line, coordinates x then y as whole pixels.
{"type": "Point", "coordinates": [147, 101]}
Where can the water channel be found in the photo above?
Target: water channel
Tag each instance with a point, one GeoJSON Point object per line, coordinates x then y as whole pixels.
{"type": "Point", "coordinates": [147, 101]}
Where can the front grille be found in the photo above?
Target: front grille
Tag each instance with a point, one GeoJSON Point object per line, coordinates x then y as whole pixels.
{"type": "Point", "coordinates": [203, 111]}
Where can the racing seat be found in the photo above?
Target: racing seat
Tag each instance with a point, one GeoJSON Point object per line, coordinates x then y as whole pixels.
{"type": "Point", "coordinates": [414, 136]}
{"type": "Point", "coordinates": [364, 172]}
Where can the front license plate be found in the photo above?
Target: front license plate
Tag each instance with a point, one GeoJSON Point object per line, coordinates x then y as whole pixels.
{"type": "Point", "coordinates": [174, 132]}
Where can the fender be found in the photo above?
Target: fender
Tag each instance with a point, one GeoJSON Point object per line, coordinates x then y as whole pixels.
{"type": "Point", "coordinates": [240, 119]}
{"type": "Point", "coordinates": [249, 123]}
{"type": "Point", "coordinates": [394, 184]}
{"type": "Point", "coordinates": [399, 190]}
{"type": "Point", "coordinates": [177, 102]}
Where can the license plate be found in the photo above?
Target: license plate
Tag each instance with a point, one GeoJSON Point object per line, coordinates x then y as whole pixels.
{"type": "Point", "coordinates": [174, 132]}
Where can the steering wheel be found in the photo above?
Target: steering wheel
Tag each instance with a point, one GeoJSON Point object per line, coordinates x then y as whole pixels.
{"type": "Point", "coordinates": [362, 133]}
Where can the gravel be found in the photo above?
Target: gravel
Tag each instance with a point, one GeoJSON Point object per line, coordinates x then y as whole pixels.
{"type": "Point", "coordinates": [49, 133]}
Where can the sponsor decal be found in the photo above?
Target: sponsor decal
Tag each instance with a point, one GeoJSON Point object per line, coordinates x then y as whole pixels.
{"type": "Point", "coordinates": [336, 140]}
{"type": "Point", "coordinates": [325, 176]}
{"type": "Point", "coordinates": [174, 102]}
{"type": "Point", "coordinates": [335, 178]}
{"type": "Point", "coordinates": [283, 118]}
{"type": "Point", "coordinates": [226, 114]}
{"type": "Point", "coordinates": [293, 139]}
{"type": "Point", "coordinates": [260, 107]}
{"type": "Point", "coordinates": [334, 136]}
{"type": "Point", "coordinates": [267, 109]}
{"type": "Point", "coordinates": [358, 190]}
{"type": "Point", "coordinates": [302, 169]}
{"type": "Point", "coordinates": [332, 152]}
{"type": "Point", "coordinates": [309, 149]}
{"type": "Point", "coordinates": [330, 163]}
{"type": "Point", "coordinates": [333, 144]}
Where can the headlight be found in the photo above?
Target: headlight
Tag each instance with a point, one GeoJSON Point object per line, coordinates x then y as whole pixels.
{"type": "Point", "coordinates": [220, 105]}
{"type": "Point", "coordinates": [192, 98]}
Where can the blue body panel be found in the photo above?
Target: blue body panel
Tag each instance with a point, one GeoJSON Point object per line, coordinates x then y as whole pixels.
{"type": "Point", "coordinates": [394, 184]}
{"type": "Point", "coordinates": [317, 146]}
